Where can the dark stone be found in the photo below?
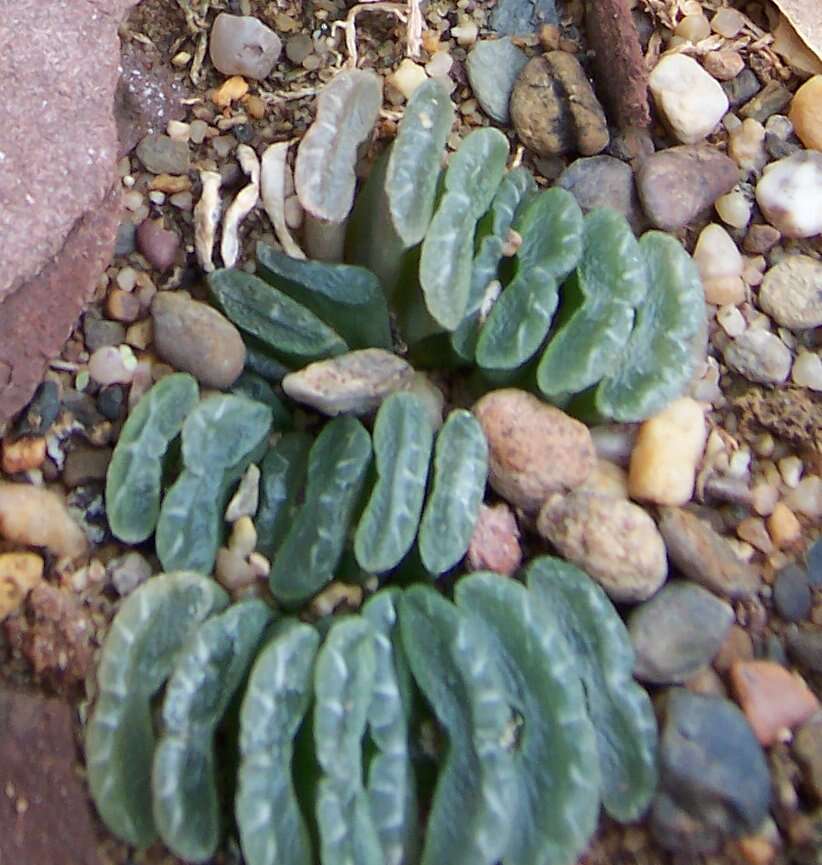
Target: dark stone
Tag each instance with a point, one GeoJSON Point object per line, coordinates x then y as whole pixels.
{"type": "Point", "coordinates": [82, 408]}
{"type": "Point", "coordinates": [603, 181]}
{"type": "Point", "coordinates": [814, 559]}
{"type": "Point", "coordinates": [714, 779]}
{"type": "Point", "coordinates": [677, 184]}
{"type": "Point", "coordinates": [771, 99]}
{"type": "Point", "coordinates": [41, 412]}
{"type": "Point", "coordinates": [124, 243]}
{"type": "Point", "coordinates": [148, 95]}
{"type": "Point", "coordinates": [792, 593]}
{"type": "Point", "coordinates": [158, 244]}
{"type": "Point", "coordinates": [805, 647]}
{"type": "Point", "coordinates": [99, 332]}
{"type": "Point", "coordinates": [111, 402]}
{"type": "Point", "coordinates": [161, 154]}
{"type": "Point", "coordinates": [742, 88]}
{"type": "Point", "coordinates": [243, 132]}
{"type": "Point", "coordinates": [523, 17]}
{"type": "Point", "coordinates": [778, 148]}
{"type": "Point", "coordinates": [60, 202]}
{"type": "Point", "coordinates": [45, 816]}
{"type": "Point", "coordinates": [85, 465]}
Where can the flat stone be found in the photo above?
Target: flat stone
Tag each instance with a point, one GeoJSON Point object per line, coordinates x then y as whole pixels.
{"type": "Point", "coordinates": [352, 383]}
{"type": "Point", "coordinates": [790, 194]}
{"type": "Point", "coordinates": [792, 593]}
{"type": "Point", "coordinates": [45, 814]}
{"type": "Point", "coordinates": [791, 292]}
{"type": "Point", "coordinates": [741, 88]}
{"type": "Point", "coordinates": [677, 632]}
{"type": "Point", "coordinates": [554, 110]}
{"type": "Point", "coordinates": [522, 17]}
{"type": "Point", "coordinates": [714, 779]}
{"type": "Point", "coordinates": [99, 332]}
{"type": "Point", "coordinates": [163, 155]}
{"type": "Point", "coordinates": [615, 541]}
{"type": "Point", "coordinates": [759, 356]}
{"type": "Point", "coordinates": [603, 181]}
{"type": "Point", "coordinates": [773, 699]}
{"type": "Point", "coordinates": [534, 448]}
{"type": "Point", "coordinates": [493, 66]}
{"type": "Point", "coordinates": [196, 338]}
{"type": "Point", "coordinates": [771, 99]}
{"type": "Point", "coordinates": [243, 45]}
{"type": "Point", "coordinates": [677, 184]}
{"type": "Point", "coordinates": [59, 212]}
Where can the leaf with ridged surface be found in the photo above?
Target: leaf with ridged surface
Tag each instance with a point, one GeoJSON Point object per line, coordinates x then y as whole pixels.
{"type": "Point", "coordinates": [272, 827]}
{"type": "Point", "coordinates": [282, 325]}
{"type": "Point", "coordinates": [457, 489]}
{"type": "Point", "coordinates": [138, 656]}
{"type": "Point", "coordinates": [134, 476]}
{"type": "Point", "coordinates": [620, 709]}
{"type": "Point", "coordinates": [343, 689]}
{"type": "Point", "coordinates": [208, 672]}
{"type": "Point", "coordinates": [472, 178]}
{"type": "Point", "coordinates": [597, 311]}
{"type": "Point", "coordinates": [403, 437]}
{"type": "Point", "coordinates": [659, 358]}
{"type": "Point", "coordinates": [451, 661]}
{"type": "Point", "coordinates": [555, 752]}
{"type": "Point", "coordinates": [391, 783]}
{"type": "Point", "coordinates": [550, 225]}
{"type": "Point", "coordinates": [311, 550]}
{"type": "Point", "coordinates": [346, 297]}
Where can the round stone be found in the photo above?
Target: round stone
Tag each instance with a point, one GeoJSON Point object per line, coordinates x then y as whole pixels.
{"type": "Point", "coordinates": [806, 113]}
{"type": "Point", "coordinates": [243, 45]}
{"type": "Point", "coordinates": [791, 292]}
{"type": "Point", "coordinates": [790, 194]}
{"type": "Point", "coordinates": [792, 593]}
{"type": "Point", "coordinates": [759, 356]}
{"type": "Point", "coordinates": [493, 66]}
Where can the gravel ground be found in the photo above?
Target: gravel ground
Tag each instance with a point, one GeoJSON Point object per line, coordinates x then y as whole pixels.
{"type": "Point", "coordinates": [745, 444]}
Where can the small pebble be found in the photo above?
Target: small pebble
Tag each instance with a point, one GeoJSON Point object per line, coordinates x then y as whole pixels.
{"type": "Point", "coordinates": [759, 356]}
{"type": "Point", "coordinates": [232, 570]}
{"type": "Point", "coordinates": [534, 448]}
{"type": "Point", "coordinates": [790, 194]}
{"type": "Point", "coordinates": [242, 45]}
{"type": "Point", "coordinates": [124, 242]}
{"type": "Point", "coordinates": [723, 65]}
{"type": "Point", "coordinates": [298, 47]}
{"type": "Point", "coordinates": [231, 90]}
{"type": "Point", "coordinates": [603, 181]}
{"type": "Point", "coordinates": [85, 465]}
{"type": "Point", "coordinates": [243, 538]}
{"type": "Point", "coordinates": [690, 100]}
{"type": "Point", "coordinates": [737, 646]}
{"type": "Point", "coordinates": [607, 479]}
{"type": "Point", "coordinates": [783, 526]}
{"type": "Point", "coordinates": [23, 455]}
{"type": "Point", "coordinates": [495, 544]}
{"type": "Point", "coordinates": [694, 28]}
{"type": "Point", "coordinates": [111, 402]}
{"type": "Point", "coordinates": [746, 146]}
{"type": "Point", "coordinates": [38, 517]}
{"type": "Point", "coordinates": [194, 337]}
{"type": "Point", "coordinates": [122, 306]}
{"type": "Point", "coordinates": [731, 320]}
{"type": "Point", "coordinates": [667, 451]}
{"type": "Point", "coordinates": [791, 292]}
{"type": "Point", "coordinates": [761, 239]}
{"type": "Point", "coordinates": [128, 572]}
{"type": "Point", "coordinates": [734, 209]}
{"type": "Point", "coordinates": [493, 66]}
{"type": "Point", "coordinates": [773, 699]}
{"type": "Point", "coordinates": [677, 632]}
{"type": "Point", "coordinates": [199, 128]}
{"type": "Point", "coordinates": [790, 468]}
{"type": "Point", "coordinates": [806, 498]}
{"type": "Point", "coordinates": [771, 99]}
{"type": "Point", "coordinates": [805, 648]}
{"type": "Point", "coordinates": [792, 594]}
{"type": "Point", "coordinates": [727, 22]}
{"type": "Point", "coordinates": [807, 749]}
{"type": "Point", "coordinates": [162, 155]}
{"type": "Point", "coordinates": [112, 365]}
{"type": "Point", "coordinates": [244, 502]}
{"type": "Point", "coordinates": [613, 540]}
{"type": "Point", "coordinates": [741, 88]}
{"type": "Point", "coordinates": [356, 382]}
{"type": "Point", "coordinates": [19, 574]}
{"type": "Point", "coordinates": [806, 113]}
{"type": "Point", "coordinates": [717, 258]}
{"type": "Point", "coordinates": [807, 371]}
{"type": "Point", "coordinates": [752, 530]}
{"type": "Point", "coordinates": [408, 77]}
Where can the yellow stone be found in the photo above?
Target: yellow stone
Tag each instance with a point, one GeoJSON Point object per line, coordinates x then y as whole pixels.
{"type": "Point", "coordinates": [783, 526]}
{"type": "Point", "coordinates": [231, 90]}
{"type": "Point", "coordinates": [23, 455]}
{"type": "Point", "coordinates": [806, 113]}
{"type": "Point", "coordinates": [19, 574]}
{"type": "Point", "coordinates": [171, 183]}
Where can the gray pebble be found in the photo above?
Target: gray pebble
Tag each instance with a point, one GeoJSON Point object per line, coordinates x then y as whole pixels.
{"type": "Point", "coordinates": [771, 99]}
{"type": "Point", "coordinates": [603, 181]}
{"type": "Point", "coordinates": [742, 88]}
{"type": "Point", "coordinates": [128, 571]}
{"type": "Point", "coordinates": [125, 243]}
{"type": "Point", "coordinates": [158, 244]}
{"type": "Point", "coordinates": [522, 17]}
{"type": "Point", "coordinates": [163, 155]}
{"type": "Point", "coordinates": [714, 776]}
{"type": "Point", "coordinates": [41, 412]}
{"type": "Point", "coordinates": [243, 45]}
{"type": "Point", "coordinates": [759, 356]}
{"type": "Point", "coordinates": [778, 148]}
{"type": "Point", "coordinates": [791, 292]}
{"type": "Point", "coordinates": [111, 402]}
{"type": "Point", "coordinates": [194, 337]}
{"type": "Point", "coordinates": [493, 66]}
{"type": "Point", "coordinates": [678, 631]}
{"type": "Point", "coordinates": [99, 332]}
{"type": "Point", "coordinates": [814, 560]}
{"type": "Point", "coordinates": [805, 647]}
{"type": "Point", "coordinates": [792, 593]}
{"type": "Point", "coordinates": [703, 555]}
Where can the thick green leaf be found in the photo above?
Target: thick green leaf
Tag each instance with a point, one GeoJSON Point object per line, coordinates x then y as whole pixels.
{"type": "Point", "coordinates": [391, 783]}
{"type": "Point", "coordinates": [460, 473]}
{"type": "Point", "coordinates": [134, 477]}
{"type": "Point", "coordinates": [272, 827]}
{"type": "Point", "coordinates": [472, 178]}
{"type": "Point", "coordinates": [414, 164]}
{"type": "Point", "coordinates": [557, 799]}
{"type": "Point", "coordinates": [309, 555]}
{"type": "Point", "coordinates": [598, 305]}
{"type": "Point", "coordinates": [283, 326]}
{"type": "Point", "coordinates": [138, 656]}
{"type": "Point", "coordinates": [621, 711]}
{"type": "Point", "coordinates": [209, 670]}
{"type": "Point", "coordinates": [282, 480]}
{"type": "Point", "coordinates": [346, 297]}
{"type": "Point", "coordinates": [343, 689]}
{"type": "Point", "coordinates": [659, 359]}
{"type": "Point", "coordinates": [403, 437]}
{"type": "Point", "coordinates": [474, 800]}
{"type": "Point", "coordinates": [550, 225]}
{"type": "Point", "coordinates": [257, 388]}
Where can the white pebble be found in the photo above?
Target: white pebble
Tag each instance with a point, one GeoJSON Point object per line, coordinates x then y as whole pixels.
{"type": "Point", "coordinates": [790, 468]}
{"type": "Point", "coordinates": [790, 194]}
{"type": "Point", "coordinates": [731, 320]}
{"type": "Point", "coordinates": [439, 65]}
{"type": "Point", "coordinates": [132, 200]}
{"type": "Point", "coordinates": [178, 131]}
{"type": "Point", "coordinates": [807, 370]}
{"type": "Point", "coordinates": [734, 209]}
{"type": "Point", "coordinates": [127, 279]}
{"type": "Point", "coordinates": [716, 255]}
{"type": "Point", "coordinates": [806, 497]}
{"type": "Point", "coordinates": [408, 77]}
{"type": "Point", "coordinates": [109, 365]}
{"type": "Point", "coordinates": [245, 501]}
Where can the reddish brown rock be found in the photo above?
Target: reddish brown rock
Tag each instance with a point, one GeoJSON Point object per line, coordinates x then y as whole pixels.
{"type": "Point", "coordinates": [495, 543]}
{"type": "Point", "coordinates": [58, 146]}
{"type": "Point", "coordinates": [773, 699]}
{"type": "Point", "coordinates": [45, 817]}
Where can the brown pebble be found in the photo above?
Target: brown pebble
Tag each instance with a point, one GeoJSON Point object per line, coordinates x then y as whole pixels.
{"type": "Point", "coordinates": [773, 699]}
{"type": "Point", "coordinates": [738, 646]}
{"type": "Point", "coordinates": [761, 239]}
{"type": "Point", "coordinates": [752, 530]}
{"type": "Point", "coordinates": [158, 244]}
{"type": "Point", "coordinates": [784, 527]}
{"type": "Point", "coordinates": [23, 455]}
{"type": "Point", "coordinates": [723, 65]}
{"type": "Point", "coordinates": [706, 682]}
{"type": "Point", "coordinates": [19, 574]}
{"type": "Point", "coordinates": [756, 850]}
{"type": "Point", "coordinates": [495, 545]}
{"type": "Point", "coordinates": [170, 183]}
{"type": "Point", "coordinates": [122, 306]}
